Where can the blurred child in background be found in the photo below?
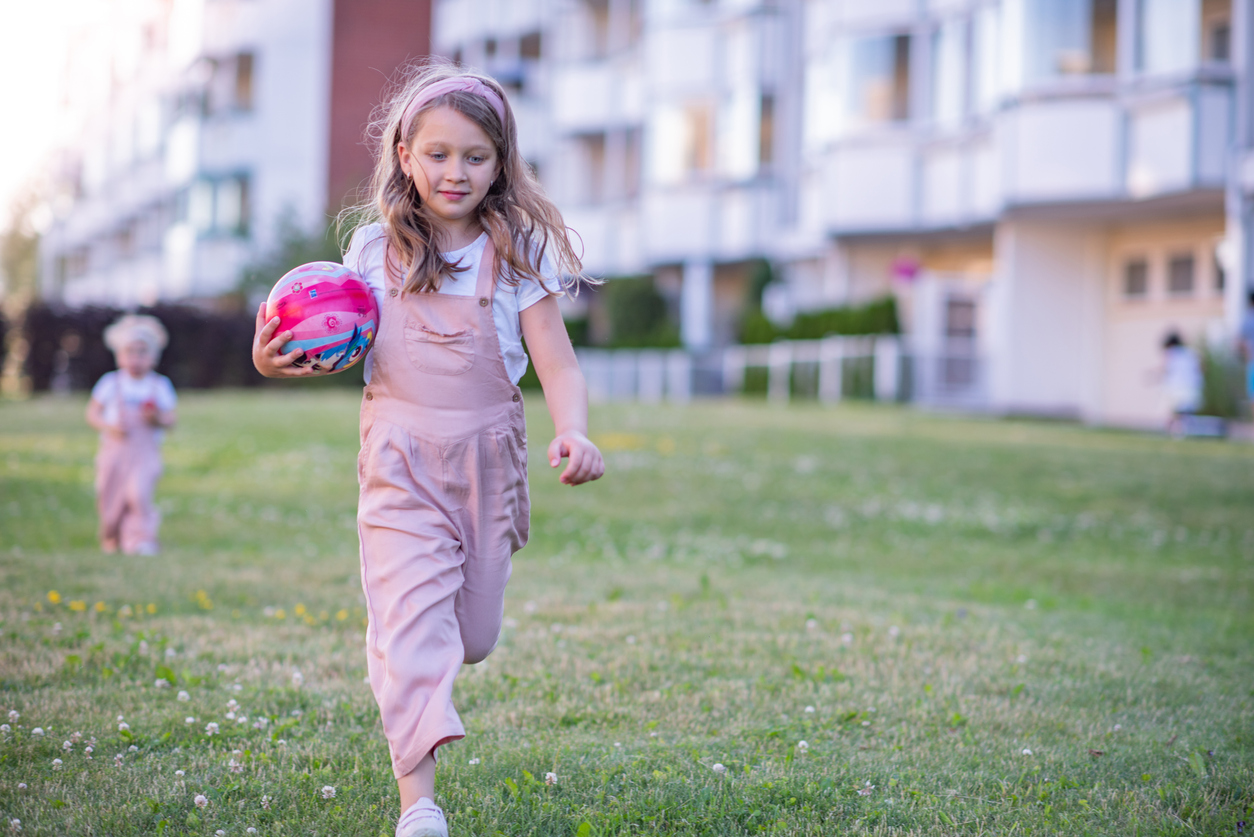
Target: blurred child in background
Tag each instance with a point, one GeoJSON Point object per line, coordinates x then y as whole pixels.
{"type": "Point", "coordinates": [131, 408]}
{"type": "Point", "coordinates": [1182, 380]}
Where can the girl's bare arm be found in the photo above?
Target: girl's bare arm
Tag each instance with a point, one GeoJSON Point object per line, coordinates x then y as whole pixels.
{"type": "Point", "coordinates": [565, 392]}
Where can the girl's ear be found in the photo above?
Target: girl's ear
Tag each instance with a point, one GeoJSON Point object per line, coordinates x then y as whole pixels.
{"type": "Point", "coordinates": [406, 159]}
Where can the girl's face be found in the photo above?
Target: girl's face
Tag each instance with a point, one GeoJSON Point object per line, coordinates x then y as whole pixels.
{"type": "Point", "coordinates": [136, 359]}
{"type": "Point", "coordinates": [452, 163]}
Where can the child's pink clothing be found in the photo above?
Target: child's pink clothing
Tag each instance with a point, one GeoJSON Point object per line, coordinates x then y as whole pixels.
{"type": "Point", "coordinates": [443, 506]}
{"type": "Point", "coordinates": [128, 468]}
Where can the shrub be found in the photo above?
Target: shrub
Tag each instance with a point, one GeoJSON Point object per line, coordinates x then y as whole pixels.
{"type": "Point", "coordinates": [1223, 383]}
{"type": "Point", "coordinates": [878, 316]}
{"type": "Point", "coordinates": [637, 314]}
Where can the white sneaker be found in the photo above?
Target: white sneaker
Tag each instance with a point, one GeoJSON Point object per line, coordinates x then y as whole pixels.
{"type": "Point", "coordinates": [423, 819]}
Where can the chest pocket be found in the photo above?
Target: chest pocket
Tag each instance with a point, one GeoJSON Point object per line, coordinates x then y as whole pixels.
{"type": "Point", "coordinates": [439, 354]}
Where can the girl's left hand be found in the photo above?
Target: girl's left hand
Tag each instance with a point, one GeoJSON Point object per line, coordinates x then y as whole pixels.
{"type": "Point", "coordinates": [585, 463]}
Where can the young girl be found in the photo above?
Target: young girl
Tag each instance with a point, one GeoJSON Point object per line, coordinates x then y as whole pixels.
{"type": "Point", "coordinates": [464, 260]}
{"type": "Point", "coordinates": [131, 408]}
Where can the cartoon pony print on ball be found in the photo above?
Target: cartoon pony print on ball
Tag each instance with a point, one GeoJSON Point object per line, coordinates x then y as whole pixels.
{"type": "Point", "coordinates": [331, 313]}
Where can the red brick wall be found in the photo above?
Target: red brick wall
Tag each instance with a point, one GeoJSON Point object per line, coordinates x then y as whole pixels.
{"type": "Point", "coordinates": [371, 39]}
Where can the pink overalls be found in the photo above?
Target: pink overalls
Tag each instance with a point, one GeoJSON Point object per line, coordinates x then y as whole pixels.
{"type": "Point", "coordinates": [127, 470]}
{"type": "Point", "coordinates": [443, 506]}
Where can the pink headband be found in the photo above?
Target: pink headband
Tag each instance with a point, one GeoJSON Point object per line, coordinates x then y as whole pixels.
{"type": "Point", "coordinates": [469, 84]}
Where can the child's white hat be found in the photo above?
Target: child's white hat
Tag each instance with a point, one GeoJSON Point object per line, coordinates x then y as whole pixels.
{"type": "Point", "coordinates": [132, 328]}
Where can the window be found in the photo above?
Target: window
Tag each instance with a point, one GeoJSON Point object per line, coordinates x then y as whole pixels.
{"type": "Point", "coordinates": [530, 46]}
{"type": "Point", "coordinates": [699, 126]}
{"type": "Point", "coordinates": [878, 89]}
{"type": "Point", "coordinates": [1217, 31]}
{"type": "Point", "coordinates": [1180, 275]}
{"type": "Point", "coordinates": [1220, 275]}
{"type": "Point", "coordinates": [1069, 37]}
{"type": "Point", "coordinates": [949, 73]}
{"type": "Point", "coordinates": [766, 131]}
{"type": "Point", "coordinates": [215, 206]}
{"type": "Point", "coordinates": [1136, 279]}
{"type": "Point", "coordinates": [244, 81]}
{"type": "Point", "coordinates": [959, 319]}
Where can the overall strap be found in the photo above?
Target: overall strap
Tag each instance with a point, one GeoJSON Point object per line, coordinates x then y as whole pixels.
{"type": "Point", "coordinates": [485, 284]}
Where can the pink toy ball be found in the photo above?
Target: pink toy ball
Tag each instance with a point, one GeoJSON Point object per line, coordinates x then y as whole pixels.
{"type": "Point", "coordinates": [331, 313]}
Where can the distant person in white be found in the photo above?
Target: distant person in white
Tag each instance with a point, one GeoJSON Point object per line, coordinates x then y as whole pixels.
{"type": "Point", "coordinates": [1182, 381]}
{"type": "Point", "coordinates": [132, 408]}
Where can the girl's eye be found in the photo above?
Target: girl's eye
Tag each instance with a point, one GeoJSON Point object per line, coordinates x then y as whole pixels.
{"type": "Point", "coordinates": [475, 158]}
{"type": "Point", "coordinates": [436, 155]}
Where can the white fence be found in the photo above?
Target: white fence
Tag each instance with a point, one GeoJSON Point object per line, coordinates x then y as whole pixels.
{"type": "Point", "coordinates": [835, 367]}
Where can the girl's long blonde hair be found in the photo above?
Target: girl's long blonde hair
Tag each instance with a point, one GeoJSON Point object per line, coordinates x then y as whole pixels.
{"type": "Point", "coordinates": [523, 224]}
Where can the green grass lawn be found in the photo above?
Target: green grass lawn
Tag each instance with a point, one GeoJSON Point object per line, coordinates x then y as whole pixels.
{"type": "Point", "coordinates": [797, 621]}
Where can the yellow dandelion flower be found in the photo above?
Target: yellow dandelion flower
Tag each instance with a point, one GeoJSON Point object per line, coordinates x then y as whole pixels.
{"type": "Point", "coordinates": [54, 597]}
{"type": "Point", "coordinates": [101, 607]}
{"type": "Point", "coordinates": [342, 614]}
{"type": "Point", "coordinates": [280, 614]}
{"type": "Point", "coordinates": [299, 610]}
{"type": "Point", "coordinates": [78, 605]}
{"type": "Point", "coordinates": [309, 620]}
{"type": "Point", "coordinates": [152, 608]}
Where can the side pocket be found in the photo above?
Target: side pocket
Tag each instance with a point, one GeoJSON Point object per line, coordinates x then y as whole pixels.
{"type": "Point", "coordinates": [439, 354]}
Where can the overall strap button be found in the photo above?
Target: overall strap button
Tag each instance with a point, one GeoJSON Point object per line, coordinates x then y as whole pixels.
{"type": "Point", "coordinates": [483, 302]}
{"type": "Point", "coordinates": [392, 292]}
{"type": "Point", "coordinates": [517, 397]}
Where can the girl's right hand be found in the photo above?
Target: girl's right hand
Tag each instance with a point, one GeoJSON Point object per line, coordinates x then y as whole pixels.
{"type": "Point", "coordinates": [267, 357]}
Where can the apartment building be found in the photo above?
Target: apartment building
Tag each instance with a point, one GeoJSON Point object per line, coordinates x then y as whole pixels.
{"type": "Point", "coordinates": [203, 127]}
{"type": "Point", "coordinates": [1047, 186]}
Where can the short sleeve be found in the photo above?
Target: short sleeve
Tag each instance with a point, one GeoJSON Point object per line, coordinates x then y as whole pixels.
{"type": "Point", "coordinates": [165, 396]}
{"type": "Point", "coordinates": [365, 257]}
{"type": "Point", "coordinates": [106, 388]}
{"type": "Point", "coordinates": [530, 292]}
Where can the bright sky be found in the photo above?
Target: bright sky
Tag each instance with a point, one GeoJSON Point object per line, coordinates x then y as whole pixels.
{"type": "Point", "coordinates": [31, 63]}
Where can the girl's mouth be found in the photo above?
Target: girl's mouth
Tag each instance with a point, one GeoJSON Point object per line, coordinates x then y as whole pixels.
{"type": "Point", "coordinates": [454, 196]}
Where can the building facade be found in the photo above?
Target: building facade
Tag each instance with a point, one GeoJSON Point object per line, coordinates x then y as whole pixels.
{"type": "Point", "coordinates": [204, 128]}
{"type": "Point", "coordinates": [1048, 187]}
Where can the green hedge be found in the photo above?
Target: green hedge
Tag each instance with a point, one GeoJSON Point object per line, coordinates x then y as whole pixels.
{"type": "Point", "coordinates": [876, 317]}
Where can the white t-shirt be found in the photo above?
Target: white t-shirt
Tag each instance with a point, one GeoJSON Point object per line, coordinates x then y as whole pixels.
{"type": "Point", "coordinates": [1183, 379]}
{"type": "Point", "coordinates": [134, 392]}
{"type": "Point", "coordinates": [365, 255]}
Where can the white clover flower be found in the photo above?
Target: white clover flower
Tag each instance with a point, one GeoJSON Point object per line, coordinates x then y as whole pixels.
{"type": "Point", "coordinates": [67, 746]}
{"type": "Point", "coordinates": [88, 750]}
{"type": "Point", "coordinates": [1118, 727]}
{"type": "Point", "coordinates": [5, 728]}
{"type": "Point", "coordinates": [76, 737]}
{"type": "Point", "coordinates": [237, 688]}
{"type": "Point", "coordinates": [232, 704]}
{"type": "Point", "coordinates": [812, 624]}
{"type": "Point", "coordinates": [297, 678]}
{"type": "Point", "coordinates": [1021, 659]}
{"type": "Point", "coordinates": [133, 748]}
{"type": "Point", "coordinates": [123, 727]}
{"type": "Point", "coordinates": [282, 742]}
{"type": "Point", "coordinates": [211, 728]}
{"type": "Point", "coordinates": [170, 653]}
{"type": "Point", "coordinates": [219, 833]}
{"type": "Point", "coordinates": [56, 764]}
{"type": "Point", "coordinates": [223, 667]}
{"type": "Point", "coordinates": [117, 760]}
{"type": "Point", "coordinates": [21, 786]}
{"type": "Point", "coordinates": [37, 731]}
{"type": "Point", "coordinates": [201, 800]}
{"type": "Point", "coordinates": [550, 778]}
{"type": "Point", "coordinates": [234, 766]}
{"type": "Point", "coordinates": [250, 830]}
{"type": "Point", "coordinates": [328, 792]}
{"type": "Point", "coordinates": [474, 761]}
{"type": "Point", "coordinates": [894, 631]}
{"type": "Point", "coordinates": [230, 716]}
{"type": "Point", "coordinates": [121, 718]}
{"type": "Point", "coordinates": [184, 696]}
{"type": "Point", "coordinates": [266, 800]}
{"type": "Point", "coordinates": [179, 774]}
{"type": "Point", "coordinates": [160, 683]}
{"type": "Point", "coordinates": [261, 722]}
{"type": "Point", "coordinates": [189, 720]}
{"type": "Point", "coordinates": [242, 719]}
{"type": "Point", "coordinates": [15, 825]}
{"type": "Point", "coordinates": [803, 747]}
{"type": "Point", "coordinates": [846, 638]}
{"type": "Point", "coordinates": [866, 789]}
{"type": "Point", "coordinates": [810, 710]}
{"type": "Point", "coordinates": [13, 716]}
{"type": "Point", "coordinates": [1026, 751]}
{"type": "Point", "coordinates": [56, 628]}
{"type": "Point", "coordinates": [296, 713]}
{"type": "Point", "coordinates": [719, 769]}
